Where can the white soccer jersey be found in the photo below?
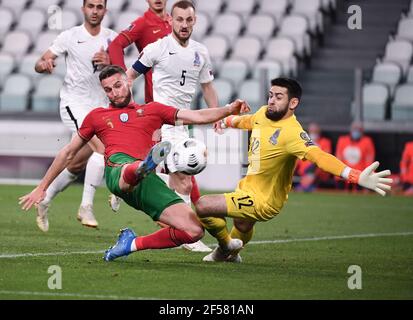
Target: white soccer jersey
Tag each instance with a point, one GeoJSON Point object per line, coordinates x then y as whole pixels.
{"type": "Point", "coordinates": [177, 70]}
{"type": "Point", "coordinates": [81, 87]}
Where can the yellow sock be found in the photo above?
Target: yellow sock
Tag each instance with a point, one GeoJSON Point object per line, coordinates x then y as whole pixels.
{"type": "Point", "coordinates": [245, 237]}
{"type": "Point", "coordinates": [217, 227]}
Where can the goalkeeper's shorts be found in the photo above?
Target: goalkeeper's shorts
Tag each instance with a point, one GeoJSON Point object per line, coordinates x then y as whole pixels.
{"type": "Point", "coordinates": [245, 205]}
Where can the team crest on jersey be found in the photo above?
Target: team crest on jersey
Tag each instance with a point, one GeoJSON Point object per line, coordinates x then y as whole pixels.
{"type": "Point", "coordinates": [274, 137]}
{"type": "Point", "coordinates": [124, 117]}
{"type": "Point", "coordinates": [308, 142]}
{"type": "Point", "coordinates": [197, 61]}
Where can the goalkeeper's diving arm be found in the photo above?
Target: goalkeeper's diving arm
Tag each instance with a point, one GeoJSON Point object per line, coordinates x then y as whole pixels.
{"type": "Point", "coordinates": [367, 178]}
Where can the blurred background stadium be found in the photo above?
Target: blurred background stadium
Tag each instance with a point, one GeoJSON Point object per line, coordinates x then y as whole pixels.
{"type": "Point", "coordinates": [348, 74]}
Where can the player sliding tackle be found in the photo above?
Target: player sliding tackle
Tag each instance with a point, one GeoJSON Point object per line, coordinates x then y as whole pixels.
{"type": "Point", "coordinates": [277, 141]}
{"type": "Point", "coordinates": [126, 129]}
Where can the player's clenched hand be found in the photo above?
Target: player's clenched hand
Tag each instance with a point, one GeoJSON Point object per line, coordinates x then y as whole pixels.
{"type": "Point", "coordinates": [239, 106]}
{"type": "Point", "coordinates": [47, 65]}
{"type": "Point", "coordinates": [32, 198]}
{"type": "Point", "coordinates": [375, 181]}
{"type": "Point", "coordinates": [101, 58]}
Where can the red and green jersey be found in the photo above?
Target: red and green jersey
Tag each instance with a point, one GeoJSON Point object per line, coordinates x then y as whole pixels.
{"type": "Point", "coordinates": [131, 130]}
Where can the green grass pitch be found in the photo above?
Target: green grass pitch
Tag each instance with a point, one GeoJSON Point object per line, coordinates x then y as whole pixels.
{"type": "Point", "coordinates": [325, 233]}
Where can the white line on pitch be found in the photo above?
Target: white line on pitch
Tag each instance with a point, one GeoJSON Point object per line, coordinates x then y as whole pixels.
{"type": "Point", "coordinates": [353, 236]}
{"type": "Point", "coordinates": [76, 295]}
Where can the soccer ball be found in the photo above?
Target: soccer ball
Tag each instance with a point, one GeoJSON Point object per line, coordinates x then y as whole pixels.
{"type": "Point", "coordinates": [190, 156]}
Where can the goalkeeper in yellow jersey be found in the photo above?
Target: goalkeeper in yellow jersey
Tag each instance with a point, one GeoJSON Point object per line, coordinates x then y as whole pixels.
{"type": "Point", "coordinates": [277, 141]}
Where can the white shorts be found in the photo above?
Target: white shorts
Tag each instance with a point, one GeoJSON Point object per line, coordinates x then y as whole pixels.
{"type": "Point", "coordinates": [75, 121]}
{"type": "Point", "coordinates": [173, 134]}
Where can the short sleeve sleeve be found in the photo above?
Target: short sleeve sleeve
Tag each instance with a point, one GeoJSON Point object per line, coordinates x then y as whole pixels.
{"type": "Point", "coordinates": [60, 44]}
{"type": "Point", "coordinates": [87, 130]}
{"type": "Point", "coordinates": [298, 142]}
{"type": "Point", "coordinates": [206, 75]}
{"type": "Point", "coordinates": [150, 55]}
{"type": "Point", "coordinates": [166, 113]}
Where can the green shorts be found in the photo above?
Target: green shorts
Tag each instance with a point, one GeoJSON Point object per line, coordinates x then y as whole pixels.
{"type": "Point", "coordinates": [151, 195]}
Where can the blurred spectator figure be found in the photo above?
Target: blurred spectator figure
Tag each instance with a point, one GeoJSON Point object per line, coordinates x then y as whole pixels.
{"type": "Point", "coordinates": [311, 177]}
{"type": "Point", "coordinates": [406, 169]}
{"type": "Point", "coordinates": [355, 150]}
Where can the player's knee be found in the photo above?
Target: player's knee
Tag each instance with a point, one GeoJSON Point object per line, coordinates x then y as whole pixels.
{"type": "Point", "coordinates": [196, 232]}
{"type": "Point", "coordinates": [76, 167]}
{"type": "Point", "coordinates": [201, 207]}
{"type": "Point", "coordinates": [243, 225]}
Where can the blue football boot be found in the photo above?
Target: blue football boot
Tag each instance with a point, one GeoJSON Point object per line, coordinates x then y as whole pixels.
{"type": "Point", "coordinates": [156, 155]}
{"type": "Point", "coordinates": [122, 246]}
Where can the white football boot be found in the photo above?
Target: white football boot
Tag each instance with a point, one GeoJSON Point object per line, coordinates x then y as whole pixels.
{"type": "Point", "coordinates": [198, 246]}
{"type": "Point", "coordinates": [86, 217]}
{"type": "Point", "coordinates": [42, 219]}
{"type": "Point", "coordinates": [224, 254]}
{"type": "Point", "coordinates": [114, 203]}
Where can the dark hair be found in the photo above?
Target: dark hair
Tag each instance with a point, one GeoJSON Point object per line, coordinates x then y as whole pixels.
{"type": "Point", "coordinates": [84, 2]}
{"type": "Point", "coordinates": [293, 87]}
{"type": "Point", "coordinates": [109, 71]}
{"type": "Point", "coordinates": [183, 4]}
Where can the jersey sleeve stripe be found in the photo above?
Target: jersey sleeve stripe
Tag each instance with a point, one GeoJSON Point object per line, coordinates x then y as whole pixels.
{"type": "Point", "coordinates": [127, 37]}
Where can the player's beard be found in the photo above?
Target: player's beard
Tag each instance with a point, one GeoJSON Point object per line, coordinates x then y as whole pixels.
{"type": "Point", "coordinates": [124, 103]}
{"type": "Point", "coordinates": [182, 39]}
{"type": "Point", "coordinates": [276, 115]}
{"type": "Point", "coordinates": [95, 23]}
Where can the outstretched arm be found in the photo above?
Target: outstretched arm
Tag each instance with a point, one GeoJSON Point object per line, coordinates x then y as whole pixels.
{"type": "Point", "coordinates": [366, 178]}
{"type": "Point", "coordinates": [213, 114]}
{"type": "Point", "coordinates": [60, 162]}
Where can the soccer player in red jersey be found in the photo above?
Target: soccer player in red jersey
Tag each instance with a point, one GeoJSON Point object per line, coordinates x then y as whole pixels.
{"type": "Point", "coordinates": [127, 129]}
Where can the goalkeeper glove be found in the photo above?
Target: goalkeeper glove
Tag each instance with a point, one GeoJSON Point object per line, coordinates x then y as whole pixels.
{"type": "Point", "coordinates": [369, 179]}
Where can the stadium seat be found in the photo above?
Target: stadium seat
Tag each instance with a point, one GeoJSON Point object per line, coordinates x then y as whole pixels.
{"type": "Point", "coordinates": [7, 65]}
{"type": "Point", "coordinates": [17, 6]}
{"type": "Point", "coordinates": [6, 21]}
{"type": "Point", "coordinates": [375, 98]}
{"type": "Point", "coordinates": [138, 6]}
{"type": "Point", "coordinates": [26, 66]}
{"type": "Point", "coordinates": [388, 73]}
{"type": "Point", "coordinates": [210, 7]}
{"type": "Point", "coordinates": [124, 20]}
{"type": "Point", "coordinates": [46, 95]}
{"type": "Point", "coordinates": [402, 106]}
{"type": "Point", "coordinates": [244, 8]}
{"type": "Point", "coordinates": [43, 4]}
{"type": "Point", "coordinates": [399, 51]}
{"type": "Point", "coordinates": [32, 21]}
{"type": "Point", "coordinates": [272, 68]}
{"type": "Point", "coordinates": [311, 10]}
{"type": "Point", "coordinates": [282, 50]}
{"type": "Point", "coordinates": [228, 25]}
{"type": "Point", "coordinates": [261, 26]}
{"type": "Point", "coordinates": [139, 90]}
{"type": "Point", "coordinates": [409, 77]}
{"type": "Point", "coordinates": [218, 47]}
{"type": "Point", "coordinates": [251, 91]}
{"type": "Point", "coordinates": [14, 97]}
{"type": "Point", "coordinates": [296, 28]}
{"type": "Point", "coordinates": [276, 8]}
{"type": "Point", "coordinates": [116, 6]}
{"type": "Point", "coordinates": [225, 91]}
{"type": "Point", "coordinates": [235, 70]}
{"type": "Point", "coordinates": [107, 21]}
{"type": "Point", "coordinates": [405, 29]}
{"type": "Point", "coordinates": [44, 41]}
{"type": "Point", "coordinates": [16, 43]}
{"type": "Point", "coordinates": [70, 19]}
{"type": "Point", "coordinates": [201, 27]}
{"type": "Point", "coordinates": [248, 49]}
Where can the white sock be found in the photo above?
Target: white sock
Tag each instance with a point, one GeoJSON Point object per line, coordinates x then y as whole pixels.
{"type": "Point", "coordinates": [93, 178]}
{"type": "Point", "coordinates": [133, 246]}
{"type": "Point", "coordinates": [62, 181]}
{"type": "Point", "coordinates": [185, 197]}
